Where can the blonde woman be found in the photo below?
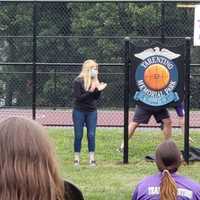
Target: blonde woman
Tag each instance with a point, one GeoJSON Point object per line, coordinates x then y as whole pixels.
{"type": "Point", "coordinates": [86, 91]}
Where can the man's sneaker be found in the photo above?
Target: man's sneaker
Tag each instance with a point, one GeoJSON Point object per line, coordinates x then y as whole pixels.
{"type": "Point", "coordinates": [120, 149]}
{"type": "Point", "coordinates": [76, 162]}
{"type": "Point", "coordinates": [92, 163]}
{"type": "Point", "coordinates": [191, 140]}
{"type": "Point", "coordinates": [161, 126]}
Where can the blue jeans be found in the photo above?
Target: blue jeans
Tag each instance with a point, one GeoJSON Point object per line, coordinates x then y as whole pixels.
{"type": "Point", "coordinates": [80, 119]}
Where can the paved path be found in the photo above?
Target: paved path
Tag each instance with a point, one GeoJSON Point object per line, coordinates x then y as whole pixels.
{"type": "Point", "coordinates": [105, 118]}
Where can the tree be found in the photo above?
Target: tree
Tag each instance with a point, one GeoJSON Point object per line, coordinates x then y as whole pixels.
{"type": "Point", "coordinates": [12, 19]}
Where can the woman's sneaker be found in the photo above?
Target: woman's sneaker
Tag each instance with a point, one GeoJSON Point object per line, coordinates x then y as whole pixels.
{"type": "Point", "coordinates": [76, 162]}
{"type": "Point", "coordinates": [92, 163]}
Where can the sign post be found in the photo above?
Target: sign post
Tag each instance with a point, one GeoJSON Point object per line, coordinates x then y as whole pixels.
{"type": "Point", "coordinates": [126, 98]}
{"type": "Point", "coordinates": [159, 78]}
{"type": "Point", "coordinates": [187, 100]}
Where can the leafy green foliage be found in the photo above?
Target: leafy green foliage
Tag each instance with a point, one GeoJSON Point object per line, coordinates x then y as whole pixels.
{"type": "Point", "coordinates": [90, 30]}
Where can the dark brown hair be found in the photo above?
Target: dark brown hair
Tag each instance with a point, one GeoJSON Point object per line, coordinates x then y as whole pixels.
{"type": "Point", "coordinates": [168, 160]}
{"type": "Point", "coordinates": [28, 169]}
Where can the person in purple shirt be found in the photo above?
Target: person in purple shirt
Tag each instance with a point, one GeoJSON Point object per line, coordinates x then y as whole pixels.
{"type": "Point", "coordinates": [167, 184]}
{"type": "Point", "coordinates": [180, 113]}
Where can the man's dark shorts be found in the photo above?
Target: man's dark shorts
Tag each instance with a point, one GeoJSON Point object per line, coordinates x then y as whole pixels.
{"type": "Point", "coordinates": [142, 114]}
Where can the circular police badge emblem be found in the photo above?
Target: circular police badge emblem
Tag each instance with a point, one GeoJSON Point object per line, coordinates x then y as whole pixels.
{"type": "Point", "coordinates": [156, 78]}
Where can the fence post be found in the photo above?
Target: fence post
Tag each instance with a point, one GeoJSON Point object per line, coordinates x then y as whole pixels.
{"type": "Point", "coordinates": [187, 99]}
{"type": "Point", "coordinates": [34, 70]}
{"type": "Point", "coordinates": [55, 88]}
{"type": "Point", "coordinates": [126, 99]}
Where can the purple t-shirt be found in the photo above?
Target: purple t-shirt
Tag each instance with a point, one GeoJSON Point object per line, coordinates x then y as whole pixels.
{"type": "Point", "coordinates": [149, 188]}
{"type": "Point", "coordinates": [180, 110]}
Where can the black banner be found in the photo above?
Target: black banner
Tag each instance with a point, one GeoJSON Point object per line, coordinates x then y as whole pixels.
{"type": "Point", "coordinates": [157, 75]}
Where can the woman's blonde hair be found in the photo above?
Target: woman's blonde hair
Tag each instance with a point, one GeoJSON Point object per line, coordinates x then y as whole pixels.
{"type": "Point", "coordinates": [86, 73]}
{"type": "Point", "coordinates": [168, 160]}
{"type": "Point", "coordinates": [28, 169]}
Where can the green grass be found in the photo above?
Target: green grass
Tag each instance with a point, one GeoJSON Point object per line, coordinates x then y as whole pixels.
{"type": "Point", "coordinates": [111, 180]}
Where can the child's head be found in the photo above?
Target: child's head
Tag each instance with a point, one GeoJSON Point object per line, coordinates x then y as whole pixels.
{"type": "Point", "coordinates": [168, 156]}
{"type": "Point", "coordinates": [168, 160]}
{"type": "Point", "coordinates": [28, 169]}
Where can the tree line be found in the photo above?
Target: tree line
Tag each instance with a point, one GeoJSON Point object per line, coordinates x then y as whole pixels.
{"type": "Point", "coordinates": [72, 32]}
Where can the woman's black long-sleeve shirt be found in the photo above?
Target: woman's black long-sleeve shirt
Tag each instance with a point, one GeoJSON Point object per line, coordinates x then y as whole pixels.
{"type": "Point", "coordinates": [84, 100]}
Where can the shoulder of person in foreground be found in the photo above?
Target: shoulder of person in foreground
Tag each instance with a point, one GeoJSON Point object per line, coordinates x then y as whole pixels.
{"type": "Point", "coordinates": [189, 184]}
{"type": "Point", "coordinates": [72, 192]}
{"type": "Point", "coordinates": [142, 187]}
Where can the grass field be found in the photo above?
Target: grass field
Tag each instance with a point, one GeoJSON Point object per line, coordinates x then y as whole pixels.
{"type": "Point", "coordinates": [110, 179]}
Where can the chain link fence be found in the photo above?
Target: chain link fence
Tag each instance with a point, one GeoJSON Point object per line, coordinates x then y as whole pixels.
{"type": "Point", "coordinates": [67, 33]}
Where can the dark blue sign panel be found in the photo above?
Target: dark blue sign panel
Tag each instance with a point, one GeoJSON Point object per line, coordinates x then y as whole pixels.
{"type": "Point", "coordinates": [157, 76]}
